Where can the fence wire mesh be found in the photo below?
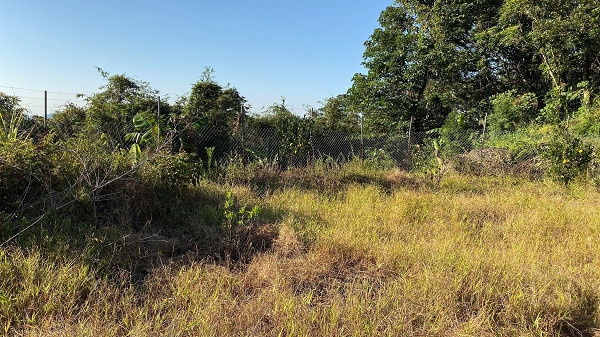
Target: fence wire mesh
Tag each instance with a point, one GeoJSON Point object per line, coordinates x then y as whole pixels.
{"type": "Point", "coordinates": [465, 150]}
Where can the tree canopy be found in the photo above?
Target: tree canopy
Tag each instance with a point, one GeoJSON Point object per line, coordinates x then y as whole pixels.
{"type": "Point", "coordinates": [430, 58]}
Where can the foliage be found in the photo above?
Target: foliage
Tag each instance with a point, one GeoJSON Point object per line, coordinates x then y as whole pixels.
{"type": "Point", "coordinates": [69, 121]}
{"type": "Point", "coordinates": [212, 110]}
{"type": "Point", "coordinates": [524, 143]}
{"type": "Point", "coordinates": [456, 137]}
{"type": "Point", "coordinates": [337, 115]}
{"type": "Point", "coordinates": [511, 111]}
{"type": "Point", "coordinates": [237, 218]}
{"type": "Point", "coordinates": [112, 110]}
{"type": "Point", "coordinates": [236, 226]}
{"type": "Point", "coordinates": [587, 122]}
{"type": "Point", "coordinates": [433, 57]}
{"type": "Point", "coordinates": [20, 162]}
{"type": "Point", "coordinates": [568, 155]}
{"type": "Point", "coordinates": [210, 100]}
{"type": "Point", "coordinates": [396, 85]}
{"type": "Point", "coordinates": [172, 169]}
{"type": "Point", "coordinates": [293, 134]}
{"type": "Point", "coordinates": [146, 133]}
{"type": "Point", "coordinates": [11, 118]}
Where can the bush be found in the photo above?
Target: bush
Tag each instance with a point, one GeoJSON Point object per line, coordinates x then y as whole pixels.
{"type": "Point", "coordinates": [19, 161]}
{"type": "Point", "coordinates": [568, 156]}
{"type": "Point", "coordinates": [512, 110]}
{"type": "Point", "coordinates": [587, 122]}
{"type": "Point", "coordinates": [456, 137]}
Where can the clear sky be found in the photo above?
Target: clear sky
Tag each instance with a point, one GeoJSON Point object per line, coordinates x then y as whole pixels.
{"type": "Point", "coordinates": [305, 50]}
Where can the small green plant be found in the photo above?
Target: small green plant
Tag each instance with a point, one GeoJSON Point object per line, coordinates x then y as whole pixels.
{"type": "Point", "coordinates": [237, 218]}
{"type": "Point", "coordinates": [146, 133]}
{"type": "Point", "coordinates": [568, 156]}
{"type": "Point", "coordinates": [237, 227]}
{"type": "Point", "coordinates": [209, 155]}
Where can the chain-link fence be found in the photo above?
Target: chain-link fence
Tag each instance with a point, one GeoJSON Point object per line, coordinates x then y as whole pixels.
{"type": "Point", "coordinates": [462, 149]}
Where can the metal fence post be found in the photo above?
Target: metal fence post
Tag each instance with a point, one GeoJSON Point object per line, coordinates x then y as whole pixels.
{"type": "Point", "coordinates": [484, 127]}
{"type": "Point", "coordinates": [362, 139]}
{"type": "Point", "coordinates": [45, 108]}
{"type": "Point", "coordinates": [407, 162]}
{"type": "Point", "coordinates": [158, 119]}
{"type": "Point", "coordinates": [243, 121]}
{"type": "Point", "coordinates": [243, 131]}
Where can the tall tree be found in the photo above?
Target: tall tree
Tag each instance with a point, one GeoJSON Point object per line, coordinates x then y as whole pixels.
{"type": "Point", "coordinates": [564, 36]}
{"type": "Point", "coordinates": [398, 78]}
{"type": "Point", "coordinates": [431, 57]}
{"type": "Point", "coordinates": [210, 111]}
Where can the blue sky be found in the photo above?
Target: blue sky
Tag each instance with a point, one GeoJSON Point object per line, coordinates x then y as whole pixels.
{"type": "Point", "coordinates": [305, 50]}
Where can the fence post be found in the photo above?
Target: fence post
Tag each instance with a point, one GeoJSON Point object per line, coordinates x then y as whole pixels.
{"type": "Point", "coordinates": [242, 122]}
{"type": "Point", "coordinates": [407, 162]}
{"type": "Point", "coordinates": [158, 119]}
{"type": "Point", "coordinates": [362, 139]}
{"type": "Point", "coordinates": [484, 127]}
{"type": "Point", "coordinates": [45, 108]}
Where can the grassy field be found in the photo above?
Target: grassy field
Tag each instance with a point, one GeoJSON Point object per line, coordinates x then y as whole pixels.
{"type": "Point", "coordinates": [392, 255]}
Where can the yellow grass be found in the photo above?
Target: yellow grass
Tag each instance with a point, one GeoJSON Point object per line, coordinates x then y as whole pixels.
{"type": "Point", "coordinates": [474, 257]}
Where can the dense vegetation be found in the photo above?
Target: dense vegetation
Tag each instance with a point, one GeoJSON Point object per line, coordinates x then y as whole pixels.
{"type": "Point", "coordinates": [130, 216]}
{"type": "Point", "coordinates": [518, 61]}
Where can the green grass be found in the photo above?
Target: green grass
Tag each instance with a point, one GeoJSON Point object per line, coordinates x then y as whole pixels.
{"type": "Point", "coordinates": [389, 255]}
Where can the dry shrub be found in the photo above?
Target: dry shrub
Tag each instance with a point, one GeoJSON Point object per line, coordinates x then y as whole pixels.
{"type": "Point", "coordinates": [403, 179]}
{"type": "Point", "coordinates": [497, 161]}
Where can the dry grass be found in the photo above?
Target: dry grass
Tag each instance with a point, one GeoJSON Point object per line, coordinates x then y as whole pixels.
{"type": "Point", "coordinates": [474, 257]}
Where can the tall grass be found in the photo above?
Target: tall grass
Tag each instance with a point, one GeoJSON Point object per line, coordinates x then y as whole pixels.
{"type": "Point", "coordinates": [471, 257]}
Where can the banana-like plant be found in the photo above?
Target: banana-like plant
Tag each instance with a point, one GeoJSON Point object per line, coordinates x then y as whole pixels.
{"type": "Point", "coordinates": [145, 132]}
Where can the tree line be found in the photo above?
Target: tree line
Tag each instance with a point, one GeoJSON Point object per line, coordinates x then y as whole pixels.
{"type": "Point", "coordinates": [517, 61]}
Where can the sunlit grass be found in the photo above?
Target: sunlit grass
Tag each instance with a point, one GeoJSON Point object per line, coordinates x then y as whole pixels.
{"type": "Point", "coordinates": [474, 257]}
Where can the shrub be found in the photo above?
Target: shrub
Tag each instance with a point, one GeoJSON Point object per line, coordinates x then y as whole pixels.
{"type": "Point", "coordinates": [587, 122]}
{"type": "Point", "coordinates": [456, 137]}
{"type": "Point", "coordinates": [568, 156]}
{"type": "Point", "coordinates": [512, 110]}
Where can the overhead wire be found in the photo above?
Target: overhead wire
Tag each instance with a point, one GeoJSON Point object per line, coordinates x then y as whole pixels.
{"type": "Point", "coordinates": [37, 90]}
{"type": "Point", "coordinates": [52, 99]}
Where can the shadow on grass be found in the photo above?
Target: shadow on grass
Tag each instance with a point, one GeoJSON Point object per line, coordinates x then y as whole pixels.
{"type": "Point", "coordinates": [150, 226]}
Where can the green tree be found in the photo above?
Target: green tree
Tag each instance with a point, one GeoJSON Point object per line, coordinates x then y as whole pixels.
{"type": "Point", "coordinates": [337, 115]}
{"type": "Point", "coordinates": [432, 57]}
{"type": "Point", "coordinates": [218, 105]}
{"type": "Point", "coordinates": [424, 62]}
{"type": "Point", "coordinates": [564, 37]}
{"type": "Point", "coordinates": [210, 115]}
{"type": "Point", "coordinates": [111, 111]}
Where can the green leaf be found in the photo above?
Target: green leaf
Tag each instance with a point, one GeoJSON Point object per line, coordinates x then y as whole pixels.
{"type": "Point", "coordinates": [146, 137]}
{"type": "Point", "coordinates": [140, 123]}
{"type": "Point", "coordinates": [132, 136]}
{"type": "Point", "coordinates": [135, 151]}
